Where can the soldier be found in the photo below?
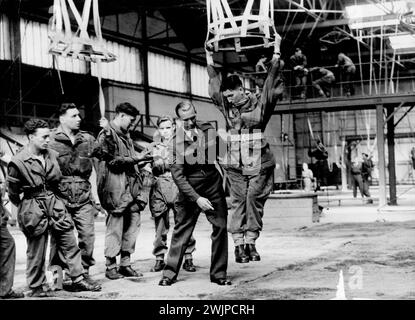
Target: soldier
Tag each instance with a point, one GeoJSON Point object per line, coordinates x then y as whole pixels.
{"type": "Point", "coordinates": [367, 167]}
{"type": "Point", "coordinates": [7, 254]}
{"type": "Point", "coordinates": [120, 190]}
{"type": "Point", "coordinates": [163, 196]}
{"type": "Point", "coordinates": [75, 149]}
{"type": "Point", "coordinates": [34, 174]}
{"type": "Point", "coordinates": [320, 153]}
{"type": "Point", "coordinates": [324, 82]}
{"type": "Point", "coordinates": [357, 182]}
{"type": "Point", "coordinates": [250, 163]}
{"type": "Point", "coordinates": [298, 63]}
{"type": "Point", "coordinates": [193, 156]}
{"type": "Point", "coordinates": [348, 70]}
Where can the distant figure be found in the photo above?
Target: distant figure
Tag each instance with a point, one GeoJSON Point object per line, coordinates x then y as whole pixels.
{"type": "Point", "coordinates": [357, 180]}
{"type": "Point", "coordinates": [324, 81]}
{"type": "Point", "coordinates": [367, 167]}
{"type": "Point", "coordinates": [413, 157]}
{"type": "Point", "coordinates": [348, 70]}
{"type": "Point", "coordinates": [321, 154]}
{"type": "Point", "coordinates": [307, 175]}
{"type": "Point", "coordinates": [299, 62]}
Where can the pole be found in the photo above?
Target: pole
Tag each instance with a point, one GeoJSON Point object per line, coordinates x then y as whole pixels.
{"type": "Point", "coordinates": [381, 154]}
{"type": "Point", "coordinates": [391, 156]}
{"type": "Point", "coordinates": [144, 62]}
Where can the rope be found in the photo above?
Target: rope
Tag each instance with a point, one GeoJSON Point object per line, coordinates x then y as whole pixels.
{"type": "Point", "coordinates": [55, 66]}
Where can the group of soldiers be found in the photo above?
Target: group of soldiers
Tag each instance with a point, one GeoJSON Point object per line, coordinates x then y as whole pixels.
{"type": "Point", "coordinates": [49, 181]}
{"type": "Point", "coordinates": [323, 79]}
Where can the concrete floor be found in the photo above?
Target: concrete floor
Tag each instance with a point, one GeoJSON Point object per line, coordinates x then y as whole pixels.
{"type": "Point", "coordinates": [374, 246]}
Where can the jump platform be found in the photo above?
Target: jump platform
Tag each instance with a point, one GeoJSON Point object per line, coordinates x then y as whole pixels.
{"type": "Point", "coordinates": [343, 103]}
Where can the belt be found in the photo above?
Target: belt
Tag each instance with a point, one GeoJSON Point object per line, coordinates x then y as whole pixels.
{"type": "Point", "coordinates": [206, 169]}
{"type": "Point", "coordinates": [41, 191]}
{"type": "Point", "coordinates": [73, 179]}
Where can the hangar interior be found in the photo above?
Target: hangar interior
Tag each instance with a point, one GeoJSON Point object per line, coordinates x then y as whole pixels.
{"type": "Point", "coordinates": [159, 45]}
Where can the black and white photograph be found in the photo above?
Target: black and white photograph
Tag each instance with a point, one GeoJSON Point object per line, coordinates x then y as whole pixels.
{"type": "Point", "coordinates": [207, 155]}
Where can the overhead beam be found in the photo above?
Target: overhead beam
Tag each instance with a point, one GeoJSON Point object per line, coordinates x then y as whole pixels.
{"type": "Point", "coordinates": [166, 40]}
{"type": "Point", "coordinates": [310, 10]}
{"type": "Point", "coordinates": [307, 10]}
{"type": "Point", "coordinates": [337, 104]}
{"type": "Point", "coordinates": [309, 25]}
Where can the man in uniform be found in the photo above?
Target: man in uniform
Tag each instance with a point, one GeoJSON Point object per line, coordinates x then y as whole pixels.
{"type": "Point", "coordinates": [348, 70]}
{"type": "Point", "coordinates": [120, 189]}
{"type": "Point", "coordinates": [34, 173]}
{"type": "Point", "coordinates": [367, 167]}
{"type": "Point", "coordinates": [193, 156]}
{"type": "Point", "coordinates": [299, 63]}
{"type": "Point", "coordinates": [250, 163]}
{"type": "Point", "coordinates": [75, 148]}
{"type": "Point", "coordinates": [320, 153]}
{"type": "Point", "coordinates": [163, 196]}
{"type": "Point", "coordinates": [7, 255]}
{"type": "Point", "coordinates": [324, 81]}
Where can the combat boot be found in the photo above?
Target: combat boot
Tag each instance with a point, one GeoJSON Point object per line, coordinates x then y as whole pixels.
{"type": "Point", "coordinates": [252, 253]}
{"type": "Point", "coordinates": [84, 285]}
{"type": "Point", "coordinates": [38, 293]}
{"type": "Point", "coordinates": [158, 266]}
{"type": "Point", "coordinates": [113, 274]}
{"type": "Point", "coordinates": [129, 272]}
{"type": "Point", "coordinates": [240, 255]}
{"type": "Point", "coordinates": [189, 266]}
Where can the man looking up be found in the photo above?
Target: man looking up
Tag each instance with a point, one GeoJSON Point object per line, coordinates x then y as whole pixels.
{"type": "Point", "coordinates": [250, 163]}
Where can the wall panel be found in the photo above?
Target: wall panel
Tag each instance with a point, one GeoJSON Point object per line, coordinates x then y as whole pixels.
{"type": "Point", "coordinates": [166, 73]}
{"type": "Point", "coordinates": [5, 50]}
{"type": "Point", "coordinates": [199, 80]}
{"type": "Point", "coordinates": [126, 68]}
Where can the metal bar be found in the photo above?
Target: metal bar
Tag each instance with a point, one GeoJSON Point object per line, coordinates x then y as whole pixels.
{"type": "Point", "coordinates": [381, 57]}
{"type": "Point", "coordinates": [321, 24]}
{"type": "Point", "coordinates": [404, 115]}
{"type": "Point", "coordinates": [386, 77]}
{"type": "Point", "coordinates": [360, 66]}
{"type": "Point", "coordinates": [371, 64]}
{"type": "Point", "coordinates": [392, 71]}
{"type": "Point", "coordinates": [310, 10]}
{"type": "Point", "coordinates": [303, 8]}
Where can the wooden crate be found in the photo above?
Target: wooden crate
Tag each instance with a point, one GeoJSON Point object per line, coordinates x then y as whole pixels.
{"type": "Point", "coordinates": [293, 210]}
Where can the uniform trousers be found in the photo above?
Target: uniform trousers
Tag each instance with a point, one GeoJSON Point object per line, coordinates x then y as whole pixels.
{"type": "Point", "coordinates": [208, 185]}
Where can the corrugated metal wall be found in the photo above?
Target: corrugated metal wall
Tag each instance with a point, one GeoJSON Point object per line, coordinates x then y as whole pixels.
{"type": "Point", "coordinates": [35, 46]}
{"type": "Point", "coordinates": [127, 67]}
{"type": "Point", "coordinates": [166, 73]}
{"type": "Point", "coordinates": [199, 80]}
{"type": "Point", "coordinates": [5, 52]}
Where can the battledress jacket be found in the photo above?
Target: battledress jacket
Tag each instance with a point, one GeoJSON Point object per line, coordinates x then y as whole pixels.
{"type": "Point", "coordinates": [120, 181]}
{"type": "Point", "coordinates": [246, 125]}
{"type": "Point", "coordinates": [76, 163]}
{"type": "Point", "coordinates": [40, 206]}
